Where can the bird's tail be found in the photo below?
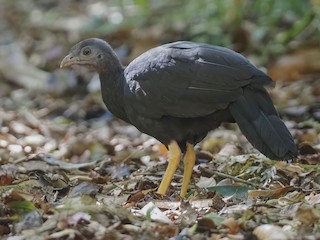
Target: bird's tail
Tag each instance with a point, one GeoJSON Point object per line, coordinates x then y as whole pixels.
{"type": "Point", "coordinates": [259, 122]}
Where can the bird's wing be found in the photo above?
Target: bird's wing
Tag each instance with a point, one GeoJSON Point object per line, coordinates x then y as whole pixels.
{"type": "Point", "coordinates": [186, 79]}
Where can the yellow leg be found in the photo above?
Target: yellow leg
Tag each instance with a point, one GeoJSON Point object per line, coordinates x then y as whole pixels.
{"type": "Point", "coordinates": [174, 159]}
{"type": "Point", "coordinates": [189, 161]}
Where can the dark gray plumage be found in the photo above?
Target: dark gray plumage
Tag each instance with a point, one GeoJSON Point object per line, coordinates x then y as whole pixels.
{"type": "Point", "coordinates": [182, 90]}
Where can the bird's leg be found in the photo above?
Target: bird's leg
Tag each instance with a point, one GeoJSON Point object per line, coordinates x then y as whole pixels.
{"type": "Point", "coordinates": [174, 159]}
{"type": "Point", "coordinates": [189, 161]}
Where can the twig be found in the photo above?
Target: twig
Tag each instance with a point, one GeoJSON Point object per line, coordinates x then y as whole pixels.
{"type": "Point", "coordinates": [220, 174]}
{"type": "Point", "coordinates": [132, 153]}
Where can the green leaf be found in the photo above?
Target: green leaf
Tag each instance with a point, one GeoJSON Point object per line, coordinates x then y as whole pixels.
{"type": "Point", "coordinates": [238, 192]}
{"type": "Point", "coordinates": [21, 207]}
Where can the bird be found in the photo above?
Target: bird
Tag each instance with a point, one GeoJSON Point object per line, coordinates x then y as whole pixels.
{"type": "Point", "coordinates": [179, 91]}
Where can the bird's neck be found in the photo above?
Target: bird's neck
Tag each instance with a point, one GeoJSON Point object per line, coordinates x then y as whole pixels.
{"type": "Point", "coordinates": [112, 89]}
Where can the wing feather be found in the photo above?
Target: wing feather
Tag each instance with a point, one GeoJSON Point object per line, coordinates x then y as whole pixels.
{"type": "Point", "coordinates": [185, 79]}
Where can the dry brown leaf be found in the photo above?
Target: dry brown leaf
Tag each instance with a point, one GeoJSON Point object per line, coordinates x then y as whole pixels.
{"type": "Point", "coordinates": [232, 224]}
{"type": "Point", "coordinates": [307, 215]}
{"type": "Point", "coordinates": [133, 199]}
{"type": "Point", "coordinates": [292, 197]}
{"type": "Point", "coordinates": [307, 135]}
{"type": "Point", "coordinates": [294, 66]}
{"type": "Point", "coordinates": [314, 200]}
{"type": "Point", "coordinates": [311, 159]}
{"type": "Point", "coordinates": [166, 230]}
{"type": "Point", "coordinates": [289, 170]}
{"type": "Point", "coordinates": [306, 149]}
{"type": "Point", "coordinates": [274, 193]}
{"type": "Point", "coordinates": [6, 179]}
{"type": "Point", "coordinates": [101, 179]}
{"type": "Point", "coordinates": [206, 224]}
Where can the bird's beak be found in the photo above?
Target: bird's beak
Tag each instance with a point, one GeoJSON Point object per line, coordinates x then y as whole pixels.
{"type": "Point", "coordinates": [69, 60]}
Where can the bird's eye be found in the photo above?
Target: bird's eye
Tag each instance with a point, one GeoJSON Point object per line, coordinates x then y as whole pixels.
{"type": "Point", "coordinates": [86, 51]}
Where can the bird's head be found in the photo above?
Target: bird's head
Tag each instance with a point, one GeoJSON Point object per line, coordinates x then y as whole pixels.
{"type": "Point", "coordinates": [92, 53]}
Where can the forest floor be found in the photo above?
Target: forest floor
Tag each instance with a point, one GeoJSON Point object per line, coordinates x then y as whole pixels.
{"type": "Point", "coordinates": [70, 170]}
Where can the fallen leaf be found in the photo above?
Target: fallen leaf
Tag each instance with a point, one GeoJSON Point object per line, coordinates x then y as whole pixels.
{"type": "Point", "coordinates": [6, 179]}
{"type": "Point", "coordinates": [270, 232]}
{"type": "Point", "coordinates": [84, 188]}
{"type": "Point", "coordinates": [32, 219]}
{"type": "Point", "coordinates": [205, 224]}
{"type": "Point", "coordinates": [312, 159]}
{"type": "Point", "coordinates": [205, 182]}
{"type": "Point", "coordinates": [294, 66]}
{"type": "Point", "coordinates": [68, 166]}
{"type": "Point", "coordinates": [235, 191]}
{"type": "Point", "coordinates": [306, 149]}
{"type": "Point", "coordinates": [21, 207]}
{"type": "Point", "coordinates": [232, 225]}
{"type": "Point", "coordinates": [216, 219]}
{"type": "Point", "coordinates": [290, 170]}
{"type": "Point", "coordinates": [229, 150]}
{"type": "Point", "coordinates": [166, 230]}
{"type": "Point", "coordinates": [133, 199]}
{"type": "Point", "coordinates": [154, 212]}
{"type": "Point", "coordinates": [292, 197]}
{"type": "Point", "coordinates": [274, 193]}
{"type": "Point", "coordinates": [307, 215]}
{"type": "Point", "coordinates": [314, 200]}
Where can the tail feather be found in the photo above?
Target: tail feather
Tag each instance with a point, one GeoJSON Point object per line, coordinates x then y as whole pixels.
{"type": "Point", "coordinates": [259, 122]}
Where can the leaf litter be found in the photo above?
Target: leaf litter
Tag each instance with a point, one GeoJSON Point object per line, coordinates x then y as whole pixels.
{"type": "Point", "coordinates": [69, 170]}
